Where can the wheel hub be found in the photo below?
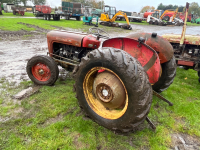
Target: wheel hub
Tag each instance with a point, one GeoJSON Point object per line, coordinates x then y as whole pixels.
{"type": "Point", "coordinates": [109, 90]}
{"type": "Point", "coordinates": [104, 93]}
{"type": "Point", "coordinates": [41, 71]}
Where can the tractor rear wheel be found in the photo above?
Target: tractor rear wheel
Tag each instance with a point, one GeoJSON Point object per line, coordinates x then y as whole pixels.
{"type": "Point", "coordinates": [42, 70]}
{"type": "Point", "coordinates": [113, 89]}
{"type": "Point", "coordinates": [167, 77]}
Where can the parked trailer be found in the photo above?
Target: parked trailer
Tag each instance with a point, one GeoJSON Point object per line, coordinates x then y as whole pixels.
{"type": "Point", "coordinates": [45, 12]}
{"type": "Point", "coordinates": [136, 17]}
{"type": "Point", "coordinates": [132, 16]}
{"type": "Point", "coordinates": [0, 10]}
{"type": "Point", "coordinates": [71, 10]}
{"type": "Point", "coordinates": [7, 7]}
{"type": "Point", "coordinates": [18, 10]}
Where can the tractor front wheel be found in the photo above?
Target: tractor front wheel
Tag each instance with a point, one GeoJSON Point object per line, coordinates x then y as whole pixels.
{"type": "Point", "coordinates": [167, 77]}
{"type": "Point", "coordinates": [42, 70]}
{"type": "Point", "coordinates": [113, 89]}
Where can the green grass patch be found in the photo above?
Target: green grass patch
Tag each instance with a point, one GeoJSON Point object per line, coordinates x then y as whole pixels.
{"type": "Point", "coordinates": [52, 119]}
{"type": "Point", "coordinates": [192, 24]}
{"type": "Point", "coordinates": [17, 24]}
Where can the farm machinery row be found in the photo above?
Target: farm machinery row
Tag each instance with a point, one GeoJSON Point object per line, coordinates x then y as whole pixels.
{"type": "Point", "coordinates": [168, 17]}
{"type": "Point", "coordinates": [186, 48]}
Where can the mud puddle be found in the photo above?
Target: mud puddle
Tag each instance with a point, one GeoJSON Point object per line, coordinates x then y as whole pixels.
{"type": "Point", "coordinates": [14, 56]}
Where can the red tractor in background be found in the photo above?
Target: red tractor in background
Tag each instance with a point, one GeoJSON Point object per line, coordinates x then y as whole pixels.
{"type": "Point", "coordinates": [182, 16]}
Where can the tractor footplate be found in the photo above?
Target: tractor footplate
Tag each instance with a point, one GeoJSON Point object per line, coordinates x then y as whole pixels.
{"type": "Point", "coordinates": [162, 98]}
{"type": "Point", "coordinates": [151, 123]}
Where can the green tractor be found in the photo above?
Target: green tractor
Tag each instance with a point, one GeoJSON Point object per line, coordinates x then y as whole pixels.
{"type": "Point", "coordinates": [195, 18]}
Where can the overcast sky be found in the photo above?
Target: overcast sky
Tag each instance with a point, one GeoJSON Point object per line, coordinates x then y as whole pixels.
{"type": "Point", "coordinates": [132, 5]}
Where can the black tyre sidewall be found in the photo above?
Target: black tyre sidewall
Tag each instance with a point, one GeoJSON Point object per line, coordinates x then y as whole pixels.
{"type": "Point", "coordinates": [128, 116]}
{"type": "Point", "coordinates": [166, 78]}
{"type": "Point", "coordinates": [47, 61]}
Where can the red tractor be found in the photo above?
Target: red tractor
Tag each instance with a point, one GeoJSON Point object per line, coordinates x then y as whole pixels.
{"type": "Point", "coordinates": [114, 79]}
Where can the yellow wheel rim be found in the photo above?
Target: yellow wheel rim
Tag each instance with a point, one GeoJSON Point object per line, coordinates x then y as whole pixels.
{"type": "Point", "coordinates": [104, 108]}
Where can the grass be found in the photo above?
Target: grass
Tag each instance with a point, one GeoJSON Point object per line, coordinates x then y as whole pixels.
{"type": "Point", "coordinates": [17, 24]}
{"type": "Point", "coordinates": [192, 24]}
{"type": "Point", "coordinates": [27, 14]}
{"type": "Point", "coordinates": [52, 119]}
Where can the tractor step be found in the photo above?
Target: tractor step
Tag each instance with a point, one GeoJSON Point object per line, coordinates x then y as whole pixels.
{"type": "Point", "coordinates": [162, 98]}
{"type": "Point", "coordinates": [151, 123]}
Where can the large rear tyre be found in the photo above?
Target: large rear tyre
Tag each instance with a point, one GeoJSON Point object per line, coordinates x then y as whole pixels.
{"type": "Point", "coordinates": [167, 77]}
{"type": "Point", "coordinates": [113, 89]}
{"type": "Point", "coordinates": [42, 70]}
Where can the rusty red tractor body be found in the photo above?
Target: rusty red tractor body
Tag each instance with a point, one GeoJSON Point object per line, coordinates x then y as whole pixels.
{"type": "Point", "coordinates": [114, 79]}
{"type": "Point", "coordinates": [18, 10]}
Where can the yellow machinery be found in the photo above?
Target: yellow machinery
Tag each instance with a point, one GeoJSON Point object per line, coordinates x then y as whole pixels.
{"type": "Point", "coordinates": [169, 11]}
{"type": "Point", "coordinates": [109, 16]}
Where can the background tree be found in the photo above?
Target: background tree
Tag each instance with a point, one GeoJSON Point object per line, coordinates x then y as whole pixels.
{"type": "Point", "coordinates": [165, 7]}
{"type": "Point", "coordinates": [194, 7]}
{"type": "Point", "coordinates": [147, 8]}
{"type": "Point", "coordinates": [38, 2]}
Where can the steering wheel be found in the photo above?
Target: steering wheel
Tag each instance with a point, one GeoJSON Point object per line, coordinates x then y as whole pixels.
{"type": "Point", "coordinates": [98, 32]}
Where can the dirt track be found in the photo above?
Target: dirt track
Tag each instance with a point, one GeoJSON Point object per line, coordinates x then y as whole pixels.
{"type": "Point", "coordinates": [14, 51]}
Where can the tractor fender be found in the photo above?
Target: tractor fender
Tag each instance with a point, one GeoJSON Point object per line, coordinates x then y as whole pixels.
{"type": "Point", "coordinates": [143, 53]}
{"type": "Point", "coordinates": [158, 43]}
